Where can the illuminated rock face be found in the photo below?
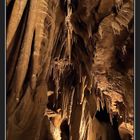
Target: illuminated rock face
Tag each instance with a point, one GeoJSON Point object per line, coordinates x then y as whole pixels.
{"type": "Point", "coordinates": [70, 70]}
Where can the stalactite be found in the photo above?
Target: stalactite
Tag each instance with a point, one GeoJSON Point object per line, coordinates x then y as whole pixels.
{"type": "Point", "coordinates": [23, 61]}
{"type": "Point", "coordinates": [82, 89]}
{"type": "Point", "coordinates": [70, 64]}
{"type": "Point", "coordinates": [69, 29]}
{"type": "Point", "coordinates": [38, 39]}
{"type": "Point", "coordinates": [83, 122]}
{"type": "Point", "coordinates": [58, 68]}
{"type": "Point", "coordinates": [17, 12]}
{"type": "Point", "coordinates": [70, 105]}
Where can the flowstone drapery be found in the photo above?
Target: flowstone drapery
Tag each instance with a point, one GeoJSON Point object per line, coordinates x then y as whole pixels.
{"type": "Point", "coordinates": [70, 70]}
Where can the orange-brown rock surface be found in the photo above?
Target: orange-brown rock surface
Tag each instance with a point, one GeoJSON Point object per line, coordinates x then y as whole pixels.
{"type": "Point", "coordinates": [70, 70]}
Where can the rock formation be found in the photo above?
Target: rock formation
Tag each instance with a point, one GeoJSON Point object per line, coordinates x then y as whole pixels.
{"type": "Point", "coordinates": [70, 69]}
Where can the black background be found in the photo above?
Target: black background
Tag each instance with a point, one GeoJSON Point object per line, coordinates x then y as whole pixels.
{"type": "Point", "coordinates": [2, 69]}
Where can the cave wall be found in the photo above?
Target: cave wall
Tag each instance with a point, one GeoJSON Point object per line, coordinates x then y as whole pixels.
{"type": "Point", "coordinates": [70, 70]}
